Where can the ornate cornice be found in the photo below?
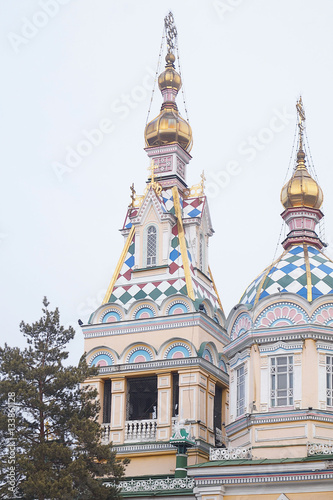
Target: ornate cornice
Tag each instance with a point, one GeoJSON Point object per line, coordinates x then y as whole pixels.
{"type": "Point", "coordinates": [166, 364]}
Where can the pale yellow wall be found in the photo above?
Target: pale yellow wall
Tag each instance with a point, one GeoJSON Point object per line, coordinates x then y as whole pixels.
{"type": "Point", "coordinates": [195, 334]}
{"type": "Point", "coordinates": [309, 374]}
{"type": "Point", "coordinates": [254, 371]}
{"type": "Point", "coordinates": [145, 464]}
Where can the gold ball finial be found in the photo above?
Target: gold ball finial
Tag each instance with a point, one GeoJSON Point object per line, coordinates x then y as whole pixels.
{"type": "Point", "coordinates": [170, 79]}
{"type": "Point", "coordinates": [170, 58]}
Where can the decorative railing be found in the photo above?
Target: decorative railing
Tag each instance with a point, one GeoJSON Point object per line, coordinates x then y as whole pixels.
{"type": "Point", "coordinates": [218, 437]}
{"type": "Point", "coordinates": [147, 485]}
{"type": "Point", "coordinates": [319, 449]}
{"type": "Point", "coordinates": [140, 430]}
{"type": "Point", "coordinates": [106, 430]}
{"type": "Point", "coordinates": [230, 453]}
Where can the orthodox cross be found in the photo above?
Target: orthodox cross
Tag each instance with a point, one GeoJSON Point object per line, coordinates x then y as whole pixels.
{"type": "Point", "coordinates": [152, 174]}
{"type": "Point", "coordinates": [170, 31]}
{"type": "Point", "coordinates": [301, 119]}
{"type": "Point", "coordinates": [133, 195]}
{"type": "Point", "coordinates": [155, 185]}
{"type": "Point", "coordinates": [203, 178]}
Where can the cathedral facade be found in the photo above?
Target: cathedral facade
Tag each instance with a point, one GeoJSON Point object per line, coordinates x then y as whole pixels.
{"type": "Point", "coordinates": [205, 406]}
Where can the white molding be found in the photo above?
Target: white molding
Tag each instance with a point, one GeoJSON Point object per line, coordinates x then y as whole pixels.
{"type": "Point", "coordinates": [281, 438]}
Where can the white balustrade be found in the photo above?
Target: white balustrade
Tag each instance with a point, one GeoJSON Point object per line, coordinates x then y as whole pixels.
{"type": "Point", "coordinates": [140, 430]}
{"type": "Point", "coordinates": [106, 429]}
{"type": "Point", "coordinates": [230, 453]}
{"type": "Point", "coordinates": [320, 449]}
{"type": "Point", "coordinates": [147, 485]}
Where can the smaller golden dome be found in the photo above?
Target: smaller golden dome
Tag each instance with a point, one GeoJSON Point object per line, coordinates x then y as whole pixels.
{"type": "Point", "coordinates": [169, 79]}
{"type": "Point", "coordinates": [169, 127]}
{"type": "Point", "coordinates": [301, 190]}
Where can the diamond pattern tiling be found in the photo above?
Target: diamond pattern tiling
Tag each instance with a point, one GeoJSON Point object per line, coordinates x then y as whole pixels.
{"type": "Point", "coordinates": [289, 275]}
{"type": "Point", "coordinates": [193, 207]}
{"type": "Point", "coordinates": [125, 292]}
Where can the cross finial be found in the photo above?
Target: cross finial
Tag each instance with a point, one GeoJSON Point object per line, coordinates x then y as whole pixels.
{"type": "Point", "coordinates": [170, 31]}
{"type": "Point", "coordinates": [152, 173]}
{"type": "Point", "coordinates": [133, 195]}
{"type": "Point", "coordinates": [301, 119]}
{"type": "Point", "coordinates": [203, 178]}
{"type": "Point", "coordinates": [155, 185]}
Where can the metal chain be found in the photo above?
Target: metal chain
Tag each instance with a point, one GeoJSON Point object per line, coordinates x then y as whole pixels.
{"type": "Point", "coordinates": [181, 76]}
{"type": "Point", "coordinates": [322, 229]}
{"type": "Point", "coordinates": [156, 73]}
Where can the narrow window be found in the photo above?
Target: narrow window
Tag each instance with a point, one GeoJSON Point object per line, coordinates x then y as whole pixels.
{"type": "Point", "coordinates": [282, 383]}
{"type": "Point", "coordinates": [329, 380]}
{"type": "Point", "coordinates": [201, 253]}
{"type": "Point", "coordinates": [240, 391]}
{"type": "Point", "coordinates": [218, 416]}
{"type": "Point", "coordinates": [175, 395]}
{"type": "Point", "coordinates": [151, 245]}
{"type": "Point", "coordinates": [107, 402]}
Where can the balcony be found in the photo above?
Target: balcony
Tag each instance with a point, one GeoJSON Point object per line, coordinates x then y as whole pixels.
{"type": "Point", "coordinates": [136, 431]}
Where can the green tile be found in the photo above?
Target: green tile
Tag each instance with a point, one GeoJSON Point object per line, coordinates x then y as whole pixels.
{"type": "Point", "coordinates": [155, 294]}
{"type": "Point", "coordinates": [328, 280]}
{"type": "Point", "coordinates": [125, 297]}
{"type": "Point", "coordinates": [131, 249]}
{"type": "Point", "coordinates": [285, 281]}
{"type": "Point", "coordinates": [140, 295]}
{"type": "Point", "coordinates": [302, 280]}
{"type": "Point", "coordinates": [171, 290]}
{"type": "Point", "coordinates": [175, 242]}
{"type": "Point", "coordinates": [314, 279]}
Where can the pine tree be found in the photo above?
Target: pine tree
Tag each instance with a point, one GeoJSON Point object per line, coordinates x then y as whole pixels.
{"type": "Point", "coordinates": [54, 448]}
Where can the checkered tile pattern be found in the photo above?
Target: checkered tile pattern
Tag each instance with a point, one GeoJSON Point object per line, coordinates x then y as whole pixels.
{"type": "Point", "coordinates": [193, 207]}
{"type": "Point", "coordinates": [289, 275]}
{"type": "Point", "coordinates": [125, 292]}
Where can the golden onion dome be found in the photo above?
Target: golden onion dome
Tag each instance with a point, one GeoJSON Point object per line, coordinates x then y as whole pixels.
{"type": "Point", "coordinates": [301, 190]}
{"type": "Point", "coordinates": [169, 127]}
{"type": "Point", "coordinates": [169, 79]}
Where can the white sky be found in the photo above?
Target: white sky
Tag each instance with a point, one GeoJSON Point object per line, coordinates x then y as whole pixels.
{"type": "Point", "coordinates": [243, 64]}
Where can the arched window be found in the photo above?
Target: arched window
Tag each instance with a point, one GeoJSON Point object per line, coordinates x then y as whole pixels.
{"type": "Point", "coordinates": [151, 246]}
{"type": "Point", "coordinates": [201, 253]}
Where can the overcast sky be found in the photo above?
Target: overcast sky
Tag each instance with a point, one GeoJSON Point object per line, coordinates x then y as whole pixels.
{"type": "Point", "coordinates": [72, 66]}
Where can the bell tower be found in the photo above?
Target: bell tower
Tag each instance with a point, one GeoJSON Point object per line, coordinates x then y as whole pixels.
{"type": "Point", "coordinates": [157, 338]}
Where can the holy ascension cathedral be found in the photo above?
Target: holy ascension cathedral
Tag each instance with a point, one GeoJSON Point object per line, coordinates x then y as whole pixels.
{"type": "Point", "coordinates": [205, 405]}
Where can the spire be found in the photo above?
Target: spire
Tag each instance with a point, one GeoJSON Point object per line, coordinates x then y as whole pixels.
{"type": "Point", "coordinates": [302, 197]}
{"type": "Point", "coordinates": [169, 127]}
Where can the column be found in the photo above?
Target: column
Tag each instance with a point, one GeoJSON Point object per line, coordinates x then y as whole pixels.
{"type": "Point", "coordinates": [118, 411]}
{"type": "Point", "coordinates": [164, 410]}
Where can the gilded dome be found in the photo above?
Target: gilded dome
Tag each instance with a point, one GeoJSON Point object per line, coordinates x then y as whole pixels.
{"type": "Point", "coordinates": [301, 190]}
{"type": "Point", "coordinates": [169, 127]}
{"type": "Point", "coordinates": [169, 79]}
